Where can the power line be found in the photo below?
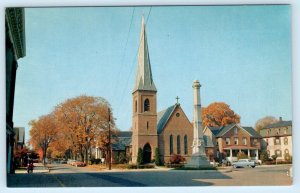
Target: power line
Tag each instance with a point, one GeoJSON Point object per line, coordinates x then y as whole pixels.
{"type": "Point", "coordinates": [132, 64]}
{"type": "Point", "coordinates": [124, 53]}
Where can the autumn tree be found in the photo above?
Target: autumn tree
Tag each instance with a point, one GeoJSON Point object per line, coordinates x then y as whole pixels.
{"type": "Point", "coordinates": [261, 123]}
{"type": "Point", "coordinates": [219, 114]}
{"type": "Point", "coordinates": [84, 122]}
{"type": "Point", "coordinates": [42, 133]}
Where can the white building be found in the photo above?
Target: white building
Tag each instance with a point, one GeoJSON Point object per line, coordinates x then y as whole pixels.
{"type": "Point", "coordinates": [277, 139]}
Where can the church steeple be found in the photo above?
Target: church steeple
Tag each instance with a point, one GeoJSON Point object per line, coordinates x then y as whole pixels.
{"type": "Point", "coordinates": [143, 79]}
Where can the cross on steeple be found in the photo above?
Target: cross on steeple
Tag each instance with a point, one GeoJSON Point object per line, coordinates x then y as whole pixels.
{"type": "Point", "coordinates": [177, 99]}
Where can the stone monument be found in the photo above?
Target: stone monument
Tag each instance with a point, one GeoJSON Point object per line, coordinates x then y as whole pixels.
{"type": "Point", "coordinates": [198, 158]}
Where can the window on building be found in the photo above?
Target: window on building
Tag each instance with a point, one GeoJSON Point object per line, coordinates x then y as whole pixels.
{"type": "Point", "coordinates": [285, 130]}
{"type": "Point", "coordinates": [185, 145]}
{"type": "Point", "coordinates": [244, 141]}
{"type": "Point", "coordinates": [235, 131]}
{"type": "Point", "coordinates": [178, 144]}
{"type": "Point", "coordinates": [254, 141]}
{"type": "Point", "coordinates": [286, 151]}
{"type": "Point", "coordinates": [277, 131]}
{"type": "Point", "coordinates": [278, 153]}
{"type": "Point", "coordinates": [146, 105]}
{"type": "Point", "coordinates": [135, 106]}
{"type": "Point", "coordinates": [147, 125]}
{"type": "Point", "coordinates": [236, 141]}
{"type": "Point", "coordinates": [277, 141]}
{"type": "Point", "coordinates": [171, 144]}
{"type": "Point", "coordinates": [286, 141]}
{"type": "Point", "coordinates": [268, 132]}
{"type": "Point", "coordinates": [267, 141]}
{"type": "Point", "coordinates": [227, 141]}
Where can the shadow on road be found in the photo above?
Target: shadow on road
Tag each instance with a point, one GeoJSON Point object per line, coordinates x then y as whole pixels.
{"type": "Point", "coordinates": [115, 179]}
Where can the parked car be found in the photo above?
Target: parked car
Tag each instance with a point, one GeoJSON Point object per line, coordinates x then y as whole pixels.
{"type": "Point", "coordinates": [70, 161]}
{"type": "Point", "coordinates": [63, 162]}
{"type": "Point", "coordinates": [243, 163]}
{"type": "Point", "coordinates": [79, 164]}
{"type": "Point", "coordinates": [257, 162]}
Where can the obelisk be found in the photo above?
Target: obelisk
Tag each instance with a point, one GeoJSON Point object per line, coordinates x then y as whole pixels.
{"type": "Point", "coordinates": [198, 158]}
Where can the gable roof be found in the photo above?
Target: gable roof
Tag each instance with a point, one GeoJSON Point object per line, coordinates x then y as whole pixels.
{"type": "Point", "coordinates": [215, 130]}
{"type": "Point", "coordinates": [279, 124]}
{"type": "Point", "coordinates": [220, 131]}
{"type": "Point", "coordinates": [123, 140]}
{"type": "Point", "coordinates": [252, 132]}
{"type": "Point", "coordinates": [225, 129]}
{"type": "Point", "coordinates": [163, 117]}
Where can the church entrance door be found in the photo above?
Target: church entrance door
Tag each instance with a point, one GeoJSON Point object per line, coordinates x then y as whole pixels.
{"type": "Point", "coordinates": [147, 153]}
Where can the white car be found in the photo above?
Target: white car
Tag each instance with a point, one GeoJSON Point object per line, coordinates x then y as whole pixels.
{"type": "Point", "coordinates": [244, 163]}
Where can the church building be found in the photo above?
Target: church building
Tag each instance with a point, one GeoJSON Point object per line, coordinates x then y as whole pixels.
{"type": "Point", "coordinates": [168, 130]}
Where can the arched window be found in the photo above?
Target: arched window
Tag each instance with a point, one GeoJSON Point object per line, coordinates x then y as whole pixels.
{"type": "Point", "coordinates": [146, 105]}
{"type": "Point", "coordinates": [286, 151]}
{"type": "Point", "coordinates": [185, 145]}
{"type": "Point", "coordinates": [147, 125]}
{"type": "Point", "coordinates": [178, 144]}
{"type": "Point", "coordinates": [278, 153]}
{"type": "Point", "coordinates": [136, 106]}
{"type": "Point", "coordinates": [286, 141]}
{"type": "Point", "coordinates": [171, 144]}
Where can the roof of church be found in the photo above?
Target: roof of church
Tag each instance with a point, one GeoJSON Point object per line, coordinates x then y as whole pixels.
{"type": "Point", "coordinates": [163, 117]}
{"type": "Point", "coordinates": [144, 79]}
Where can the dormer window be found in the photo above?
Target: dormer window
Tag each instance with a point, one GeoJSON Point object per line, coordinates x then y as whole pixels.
{"type": "Point", "coordinates": [146, 105]}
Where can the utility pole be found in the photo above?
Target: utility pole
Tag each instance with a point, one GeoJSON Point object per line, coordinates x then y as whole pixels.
{"type": "Point", "coordinates": [109, 141]}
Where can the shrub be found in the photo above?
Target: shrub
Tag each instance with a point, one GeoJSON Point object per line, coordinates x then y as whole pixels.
{"type": "Point", "coordinates": [157, 157]}
{"type": "Point", "coordinates": [242, 155]}
{"type": "Point", "coordinates": [132, 166]}
{"type": "Point", "coordinates": [264, 156]}
{"type": "Point", "coordinates": [176, 159]}
{"type": "Point", "coordinates": [140, 157]}
{"type": "Point", "coordinates": [274, 157]}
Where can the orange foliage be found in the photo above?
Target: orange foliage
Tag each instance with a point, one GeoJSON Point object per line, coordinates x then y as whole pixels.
{"type": "Point", "coordinates": [43, 131]}
{"type": "Point", "coordinates": [219, 114]}
{"type": "Point", "coordinates": [83, 123]}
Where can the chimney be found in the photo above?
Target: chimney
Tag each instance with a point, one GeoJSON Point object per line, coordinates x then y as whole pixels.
{"type": "Point", "coordinates": [280, 118]}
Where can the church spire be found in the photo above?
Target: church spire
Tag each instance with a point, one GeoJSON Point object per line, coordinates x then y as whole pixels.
{"type": "Point", "coordinates": [143, 79]}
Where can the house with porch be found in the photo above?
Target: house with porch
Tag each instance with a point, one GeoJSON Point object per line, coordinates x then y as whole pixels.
{"type": "Point", "coordinates": [226, 142]}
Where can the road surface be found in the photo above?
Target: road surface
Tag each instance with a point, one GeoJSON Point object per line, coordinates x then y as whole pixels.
{"type": "Point", "coordinates": [69, 176]}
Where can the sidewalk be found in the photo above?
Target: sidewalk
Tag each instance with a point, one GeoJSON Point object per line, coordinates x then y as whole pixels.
{"type": "Point", "coordinates": [38, 168]}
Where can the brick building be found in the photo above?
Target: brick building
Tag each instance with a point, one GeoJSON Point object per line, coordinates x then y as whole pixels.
{"type": "Point", "coordinates": [227, 141]}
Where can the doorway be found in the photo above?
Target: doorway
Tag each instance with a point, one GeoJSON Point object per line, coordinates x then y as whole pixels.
{"type": "Point", "coordinates": [147, 153]}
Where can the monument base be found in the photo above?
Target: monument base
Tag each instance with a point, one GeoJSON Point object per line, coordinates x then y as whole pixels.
{"type": "Point", "coordinates": [198, 161]}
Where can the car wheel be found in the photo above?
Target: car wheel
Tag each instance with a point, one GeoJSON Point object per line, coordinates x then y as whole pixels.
{"type": "Point", "coordinates": [253, 166]}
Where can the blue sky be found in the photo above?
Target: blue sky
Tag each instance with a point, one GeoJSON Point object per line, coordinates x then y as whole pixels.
{"type": "Point", "coordinates": [240, 54]}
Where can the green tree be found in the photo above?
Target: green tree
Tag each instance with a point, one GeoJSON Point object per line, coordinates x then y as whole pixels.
{"type": "Point", "coordinates": [264, 156]}
{"type": "Point", "coordinates": [140, 157]}
{"type": "Point", "coordinates": [157, 157]}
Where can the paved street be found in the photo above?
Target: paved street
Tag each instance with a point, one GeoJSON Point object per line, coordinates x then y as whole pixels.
{"type": "Point", "coordinates": [69, 176]}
